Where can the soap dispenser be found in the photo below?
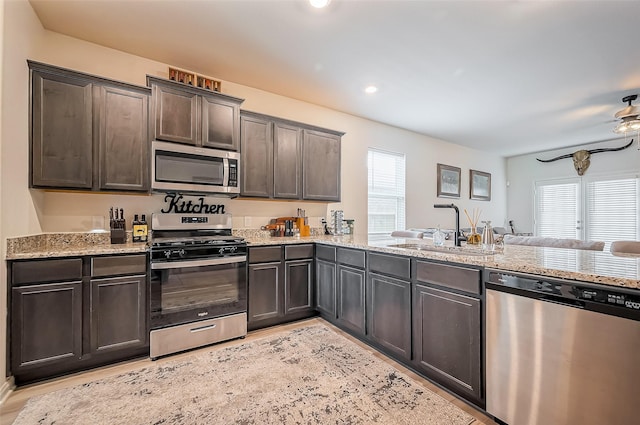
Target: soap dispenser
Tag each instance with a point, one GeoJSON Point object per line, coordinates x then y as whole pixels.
{"type": "Point", "coordinates": [438, 237]}
{"type": "Point", "coordinates": [488, 242]}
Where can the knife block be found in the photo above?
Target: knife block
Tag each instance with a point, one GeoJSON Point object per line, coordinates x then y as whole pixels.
{"type": "Point", "coordinates": [118, 232]}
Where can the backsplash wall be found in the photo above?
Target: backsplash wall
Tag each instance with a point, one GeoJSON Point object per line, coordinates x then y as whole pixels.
{"type": "Point", "coordinates": [83, 212]}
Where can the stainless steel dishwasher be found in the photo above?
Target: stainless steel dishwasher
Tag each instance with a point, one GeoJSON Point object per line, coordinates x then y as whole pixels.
{"type": "Point", "coordinates": [561, 352]}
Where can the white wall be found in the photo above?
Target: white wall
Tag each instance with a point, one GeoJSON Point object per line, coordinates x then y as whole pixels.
{"type": "Point", "coordinates": [523, 171]}
{"type": "Point", "coordinates": [21, 32]}
{"type": "Point", "coordinates": [26, 211]}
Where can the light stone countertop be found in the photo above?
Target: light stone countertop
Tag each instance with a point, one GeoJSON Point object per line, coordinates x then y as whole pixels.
{"type": "Point", "coordinates": [588, 266]}
{"type": "Point", "coordinates": [49, 245]}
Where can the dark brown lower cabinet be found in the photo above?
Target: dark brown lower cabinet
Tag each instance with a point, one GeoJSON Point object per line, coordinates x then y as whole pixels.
{"type": "Point", "coordinates": [389, 314]}
{"type": "Point", "coordinates": [298, 282]}
{"type": "Point", "coordinates": [70, 314]}
{"type": "Point", "coordinates": [447, 340]}
{"type": "Point", "coordinates": [118, 313]}
{"type": "Point", "coordinates": [326, 289]}
{"type": "Point", "coordinates": [46, 325]}
{"type": "Point", "coordinates": [265, 293]}
{"type": "Point", "coordinates": [350, 298]}
{"type": "Point", "coordinates": [280, 290]}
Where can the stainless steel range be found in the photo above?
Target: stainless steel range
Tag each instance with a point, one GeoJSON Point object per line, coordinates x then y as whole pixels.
{"type": "Point", "coordinates": [198, 282]}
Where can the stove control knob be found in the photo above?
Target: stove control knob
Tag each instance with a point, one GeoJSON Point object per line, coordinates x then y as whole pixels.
{"type": "Point", "coordinates": [181, 253]}
{"type": "Point", "coordinates": [167, 253]}
{"type": "Point", "coordinates": [221, 251]}
{"type": "Point", "coordinates": [234, 248]}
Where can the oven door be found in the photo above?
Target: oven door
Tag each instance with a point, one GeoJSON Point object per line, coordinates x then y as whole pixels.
{"type": "Point", "coordinates": [187, 291]}
{"type": "Point", "coordinates": [190, 169]}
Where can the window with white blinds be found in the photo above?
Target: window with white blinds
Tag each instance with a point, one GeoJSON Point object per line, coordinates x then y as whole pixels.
{"type": "Point", "coordinates": [386, 192]}
{"type": "Point", "coordinates": [611, 209]}
{"type": "Point", "coordinates": [557, 209]}
{"type": "Point", "coordinates": [601, 208]}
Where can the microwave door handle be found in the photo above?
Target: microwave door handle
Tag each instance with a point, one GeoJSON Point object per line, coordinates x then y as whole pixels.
{"type": "Point", "coordinates": [225, 172]}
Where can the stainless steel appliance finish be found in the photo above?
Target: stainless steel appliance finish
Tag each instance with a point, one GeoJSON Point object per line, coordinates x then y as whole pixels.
{"type": "Point", "coordinates": [196, 334]}
{"type": "Point", "coordinates": [198, 272]}
{"type": "Point", "coordinates": [190, 169]}
{"type": "Point", "coordinates": [561, 352]}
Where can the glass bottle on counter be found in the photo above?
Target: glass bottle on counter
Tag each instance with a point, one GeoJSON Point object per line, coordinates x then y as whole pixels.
{"type": "Point", "coordinates": [144, 229]}
{"type": "Point", "coordinates": [438, 237]}
{"type": "Point", "coordinates": [135, 226]}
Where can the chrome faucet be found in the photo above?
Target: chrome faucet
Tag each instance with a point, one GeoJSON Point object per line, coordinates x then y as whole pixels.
{"type": "Point", "coordinates": [457, 237]}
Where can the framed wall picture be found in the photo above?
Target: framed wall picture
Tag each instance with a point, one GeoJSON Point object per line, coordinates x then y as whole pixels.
{"type": "Point", "coordinates": [448, 181]}
{"type": "Point", "coordinates": [479, 185]}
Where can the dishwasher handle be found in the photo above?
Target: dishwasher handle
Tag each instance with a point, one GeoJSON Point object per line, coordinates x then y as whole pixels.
{"type": "Point", "coordinates": [554, 299]}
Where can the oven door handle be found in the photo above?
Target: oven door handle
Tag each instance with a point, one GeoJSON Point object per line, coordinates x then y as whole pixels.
{"type": "Point", "coordinates": [198, 263]}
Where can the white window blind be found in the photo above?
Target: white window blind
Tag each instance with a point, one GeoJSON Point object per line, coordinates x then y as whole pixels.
{"type": "Point", "coordinates": [386, 192]}
{"type": "Point", "coordinates": [611, 209]}
{"type": "Point", "coordinates": [557, 210]}
{"type": "Point", "coordinates": [611, 205]}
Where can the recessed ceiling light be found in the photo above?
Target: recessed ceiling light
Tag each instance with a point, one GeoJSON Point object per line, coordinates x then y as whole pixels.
{"type": "Point", "coordinates": [319, 3]}
{"type": "Point", "coordinates": [370, 89]}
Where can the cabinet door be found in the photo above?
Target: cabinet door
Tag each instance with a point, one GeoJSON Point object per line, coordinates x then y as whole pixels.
{"type": "Point", "coordinates": [287, 144]}
{"type": "Point", "coordinates": [256, 157]}
{"type": "Point", "coordinates": [123, 140]}
{"type": "Point", "coordinates": [61, 132]}
{"type": "Point", "coordinates": [298, 282]}
{"type": "Point", "coordinates": [118, 313]}
{"type": "Point", "coordinates": [351, 303]}
{"type": "Point", "coordinates": [220, 124]}
{"type": "Point", "coordinates": [265, 293]}
{"type": "Point", "coordinates": [320, 166]}
{"type": "Point", "coordinates": [177, 115]}
{"type": "Point", "coordinates": [46, 325]}
{"type": "Point", "coordinates": [447, 335]}
{"type": "Point", "coordinates": [389, 313]}
{"type": "Point", "coordinates": [326, 288]}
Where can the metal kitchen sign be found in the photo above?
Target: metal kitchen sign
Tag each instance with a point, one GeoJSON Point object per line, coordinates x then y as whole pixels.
{"type": "Point", "coordinates": [176, 203]}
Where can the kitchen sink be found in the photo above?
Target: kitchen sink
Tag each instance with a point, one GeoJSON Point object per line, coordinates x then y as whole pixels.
{"type": "Point", "coordinates": [444, 249]}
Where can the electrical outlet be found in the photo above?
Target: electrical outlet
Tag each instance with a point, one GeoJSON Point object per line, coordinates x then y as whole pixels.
{"type": "Point", "coordinates": [97, 222]}
{"type": "Point", "coordinates": [247, 222]}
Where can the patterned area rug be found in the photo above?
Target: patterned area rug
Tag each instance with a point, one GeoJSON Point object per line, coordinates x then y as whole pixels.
{"type": "Point", "coordinates": [310, 375]}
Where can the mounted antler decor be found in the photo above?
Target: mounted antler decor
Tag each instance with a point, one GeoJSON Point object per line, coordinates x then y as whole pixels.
{"type": "Point", "coordinates": [581, 158]}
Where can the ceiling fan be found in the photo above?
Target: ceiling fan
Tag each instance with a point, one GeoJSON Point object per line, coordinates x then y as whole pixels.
{"type": "Point", "coordinates": [629, 117]}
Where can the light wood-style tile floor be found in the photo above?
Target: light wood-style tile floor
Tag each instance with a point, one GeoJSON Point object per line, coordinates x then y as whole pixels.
{"type": "Point", "coordinates": [17, 399]}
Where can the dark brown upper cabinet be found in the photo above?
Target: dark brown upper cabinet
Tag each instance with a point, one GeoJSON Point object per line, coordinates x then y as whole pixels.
{"type": "Point", "coordinates": [321, 166]}
{"type": "Point", "coordinates": [123, 139]}
{"type": "Point", "coordinates": [87, 132]}
{"type": "Point", "coordinates": [256, 150]}
{"type": "Point", "coordinates": [194, 116]}
{"type": "Point", "coordinates": [61, 131]}
{"type": "Point", "coordinates": [273, 159]}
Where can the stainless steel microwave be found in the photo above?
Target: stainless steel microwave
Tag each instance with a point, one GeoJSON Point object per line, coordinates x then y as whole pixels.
{"type": "Point", "coordinates": [191, 169]}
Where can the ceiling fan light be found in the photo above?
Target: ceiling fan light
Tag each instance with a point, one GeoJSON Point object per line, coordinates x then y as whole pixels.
{"type": "Point", "coordinates": [621, 128]}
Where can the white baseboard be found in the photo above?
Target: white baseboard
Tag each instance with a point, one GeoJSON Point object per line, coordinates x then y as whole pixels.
{"type": "Point", "coordinates": [6, 389]}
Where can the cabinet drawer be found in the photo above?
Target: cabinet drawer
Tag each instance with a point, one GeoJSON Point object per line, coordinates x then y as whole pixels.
{"type": "Point", "coordinates": [297, 252]}
{"type": "Point", "coordinates": [324, 252]}
{"type": "Point", "coordinates": [390, 265]}
{"type": "Point", "coordinates": [24, 272]}
{"type": "Point", "coordinates": [118, 264]}
{"type": "Point", "coordinates": [352, 257]}
{"type": "Point", "coordinates": [265, 254]}
{"type": "Point", "coordinates": [454, 277]}
{"type": "Point", "coordinates": [196, 334]}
